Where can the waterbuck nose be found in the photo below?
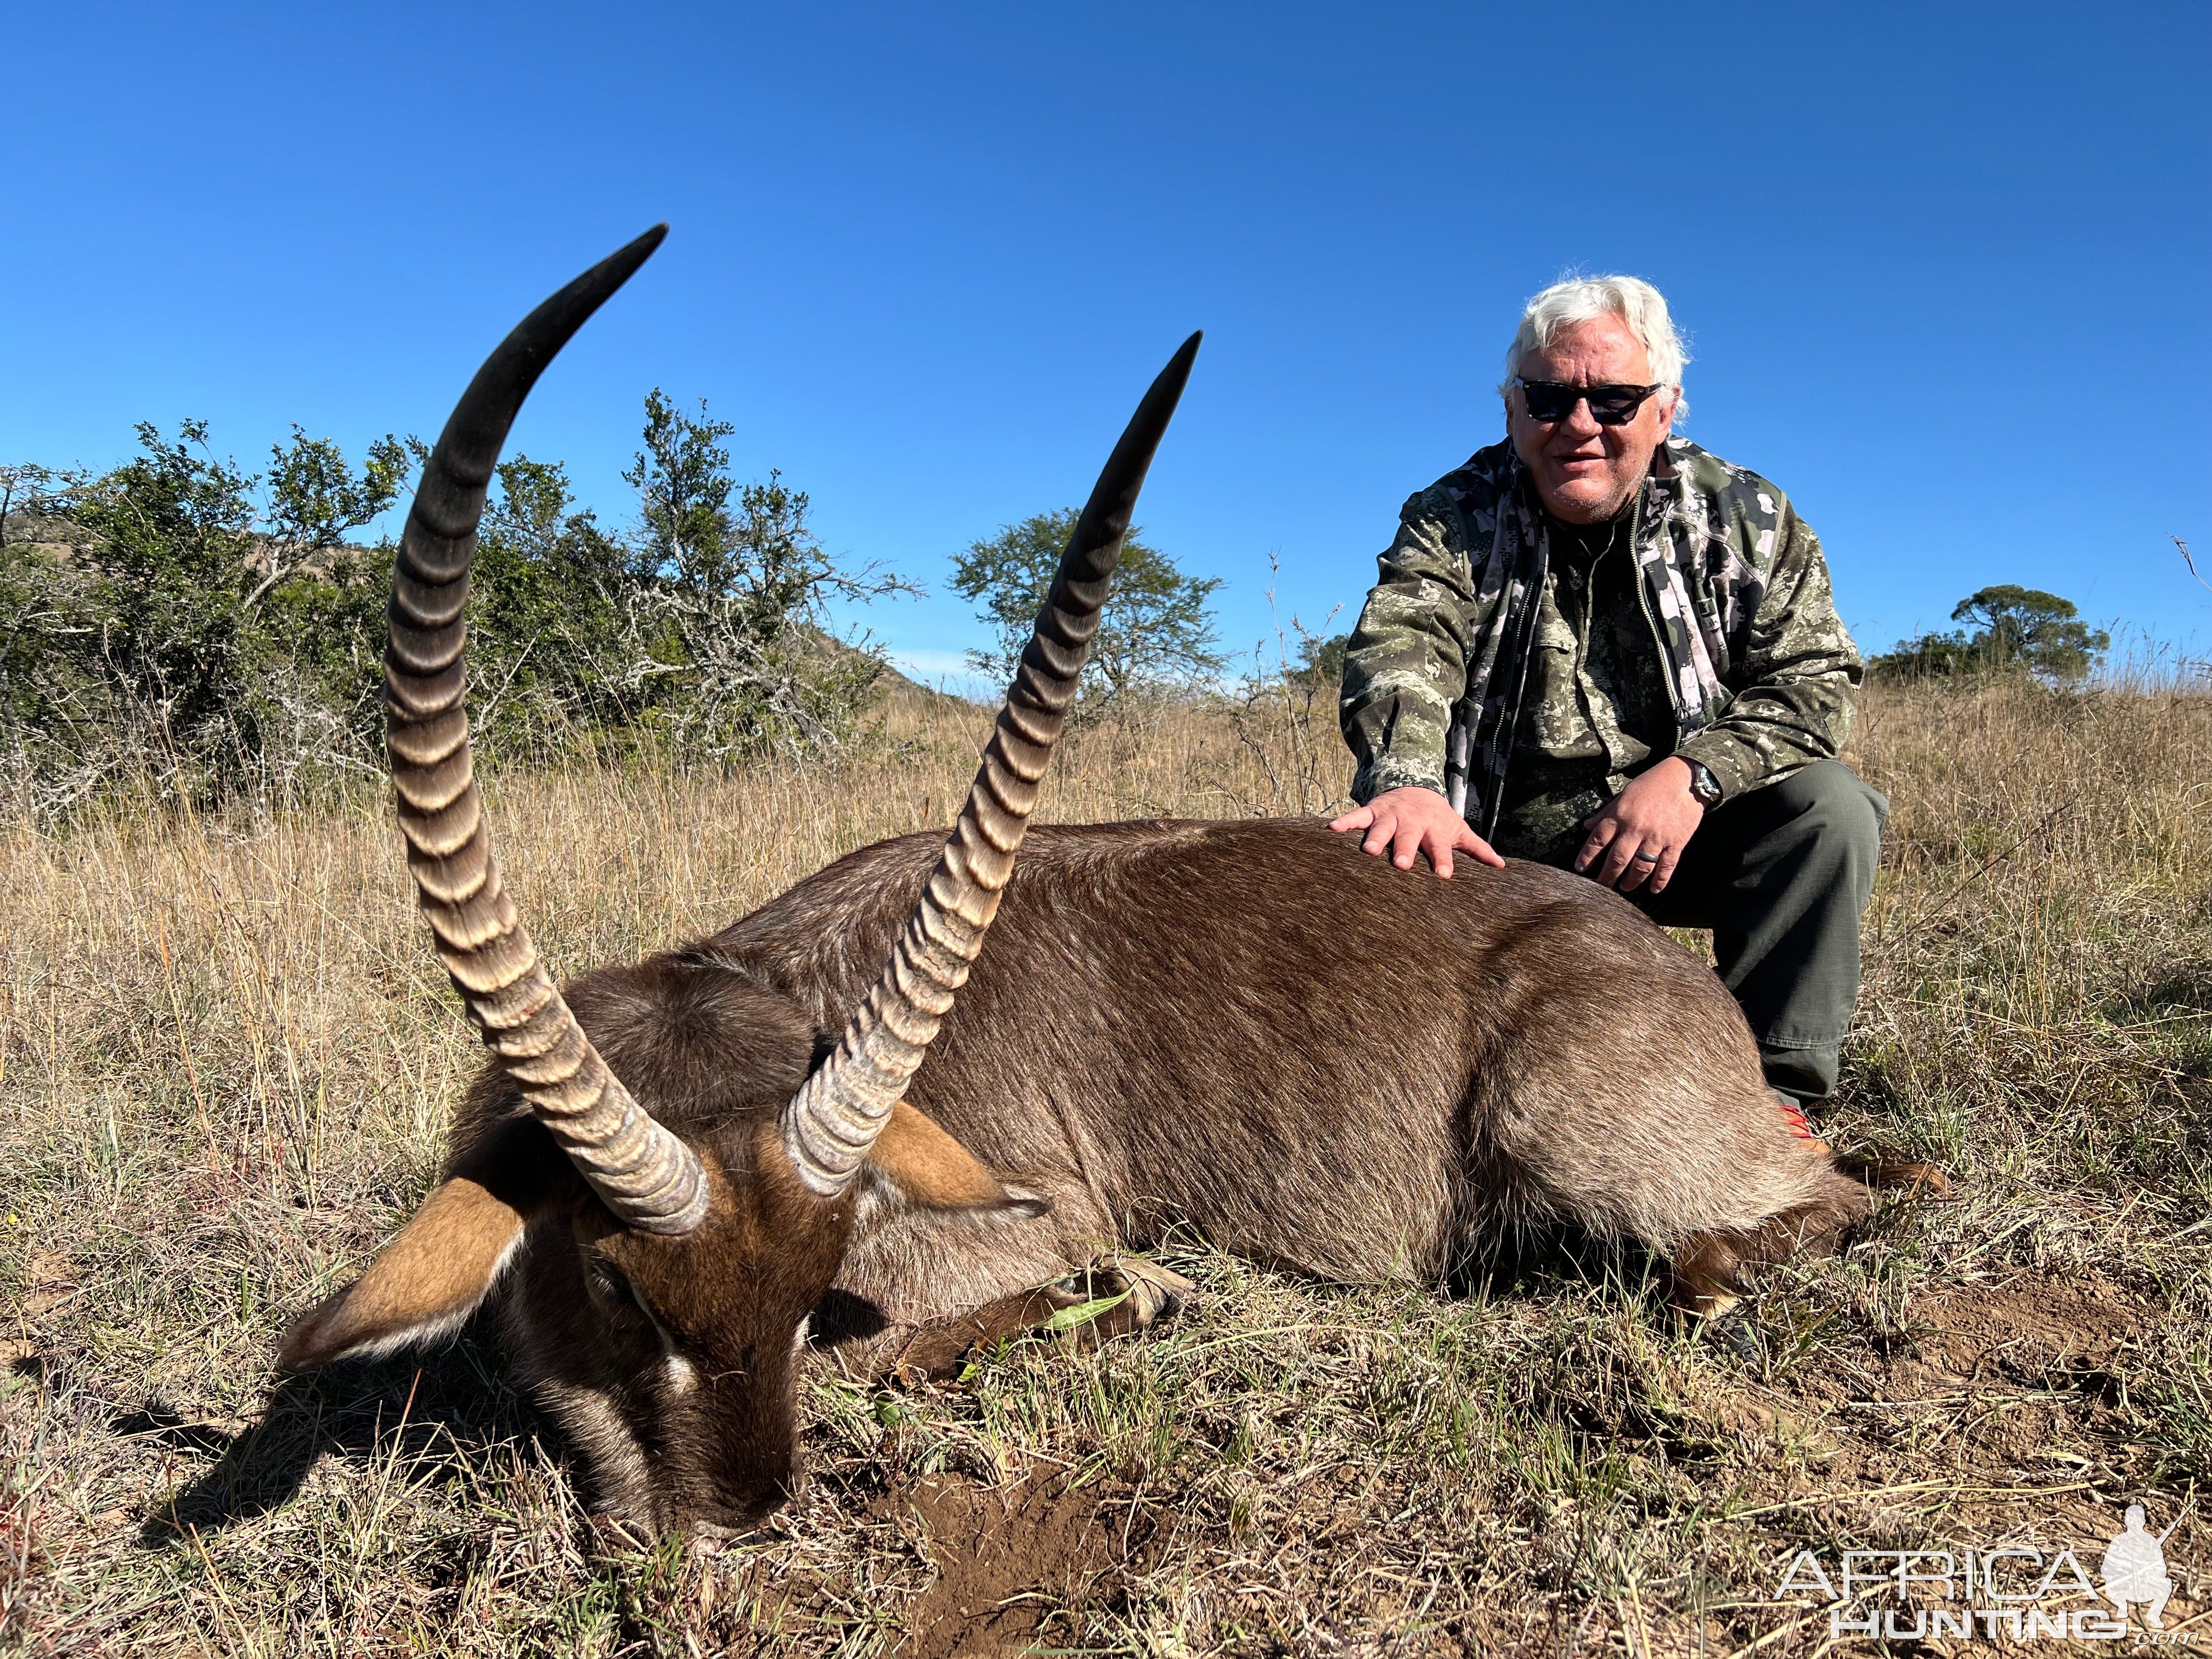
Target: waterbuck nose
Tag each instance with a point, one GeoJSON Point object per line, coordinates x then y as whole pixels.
{"type": "Point", "coordinates": [724, 1531]}
{"type": "Point", "coordinates": [738, 1513]}
{"type": "Point", "coordinates": [744, 1499]}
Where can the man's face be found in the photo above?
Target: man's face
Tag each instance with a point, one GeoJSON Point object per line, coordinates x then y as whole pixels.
{"type": "Point", "coordinates": [1586, 472]}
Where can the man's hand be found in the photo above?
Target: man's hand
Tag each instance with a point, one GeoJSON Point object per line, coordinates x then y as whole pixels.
{"type": "Point", "coordinates": [1412, 821]}
{"type": "Point", "coordinates": [1639, 835]}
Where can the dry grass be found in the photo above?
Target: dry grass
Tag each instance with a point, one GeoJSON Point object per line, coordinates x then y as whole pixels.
{"type": "Point", "coordinates": [226, 1056]}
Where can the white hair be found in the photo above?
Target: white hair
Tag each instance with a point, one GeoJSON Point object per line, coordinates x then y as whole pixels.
{"type": "Point", "coordinates": [1585, 299]}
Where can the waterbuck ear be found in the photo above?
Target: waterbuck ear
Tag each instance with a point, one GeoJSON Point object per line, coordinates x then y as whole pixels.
{"type": "Point", "coordinates": [426, 1282]}
{"type": "Point", "coordinates": [916, 1164]}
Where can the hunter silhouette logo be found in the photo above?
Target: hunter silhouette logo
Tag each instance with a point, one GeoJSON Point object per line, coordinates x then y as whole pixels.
{"type": "Point", "coordinates": [2014, 1591]}
{"type": "Point", "coordinates": [2135, 1570]}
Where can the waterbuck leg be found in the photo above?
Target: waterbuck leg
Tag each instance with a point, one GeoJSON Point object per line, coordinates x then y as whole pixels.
{"type": "Point", "coordinates": [1908, 1176]}
{"type": "Point", "coordinates": [1705, 1278]}
{"type": "Point", "coordinates": [1134, 1291]}
{"type": "Point", "coordinates": [941, 1347]}
{"type": "Point", "coordinates": [1710, 1271]}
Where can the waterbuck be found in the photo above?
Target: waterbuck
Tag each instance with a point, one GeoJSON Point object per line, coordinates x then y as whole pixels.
{"type": "Point", "coordinates": [667, 1168]}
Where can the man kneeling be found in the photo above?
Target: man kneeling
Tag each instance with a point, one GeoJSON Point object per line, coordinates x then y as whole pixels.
{"type": "Point", "coordinates": [1597, 646]}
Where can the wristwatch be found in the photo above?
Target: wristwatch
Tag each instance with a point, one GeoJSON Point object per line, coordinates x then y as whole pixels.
{"type": "Point", "coordinates": [1705, 787]}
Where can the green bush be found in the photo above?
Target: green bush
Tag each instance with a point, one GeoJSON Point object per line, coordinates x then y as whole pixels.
{"type": "Point", "coordinates": [181, 624]}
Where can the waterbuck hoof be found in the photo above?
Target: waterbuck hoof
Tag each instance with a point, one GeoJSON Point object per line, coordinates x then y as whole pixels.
{"type": "Point", "coordinates": [1736, 1331]}
{"type": "Point", "coordinates": [1156, 1291]}
{"type": "Point", "coordinates": [1136, 1292]}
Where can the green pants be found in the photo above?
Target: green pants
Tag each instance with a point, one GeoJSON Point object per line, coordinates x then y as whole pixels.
{"type": "Point", "coordinates": [1782, 875]}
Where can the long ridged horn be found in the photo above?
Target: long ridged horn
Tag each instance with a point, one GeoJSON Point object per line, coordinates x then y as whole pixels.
{"type": "Point", "coordinates": [642, 1173]}
{"type": "Point", "coordinates": [838, 1112]}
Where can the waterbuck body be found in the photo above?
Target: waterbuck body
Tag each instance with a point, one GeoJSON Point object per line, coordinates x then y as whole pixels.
{"type": "Point", "coordinates": [1254, 1030]}
{"type": "Point", "coordinates": [1251, 1030]}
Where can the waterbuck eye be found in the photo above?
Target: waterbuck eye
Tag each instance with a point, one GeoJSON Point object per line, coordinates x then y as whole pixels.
{"type": "Point", "coordinates": [611, 1286]}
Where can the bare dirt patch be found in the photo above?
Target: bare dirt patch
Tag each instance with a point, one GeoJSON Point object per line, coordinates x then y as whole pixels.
{"type": "Point", "coordinates": [1006, 1558]}
{"type": "Point", "coordinates": [2034, 1328]}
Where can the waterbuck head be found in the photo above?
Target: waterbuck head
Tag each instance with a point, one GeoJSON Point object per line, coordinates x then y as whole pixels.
{"type": "Point", "coordinates": [665, 1247]}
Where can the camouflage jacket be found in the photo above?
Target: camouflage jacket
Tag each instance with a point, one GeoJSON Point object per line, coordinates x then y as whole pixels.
{"type": "Point", "coordinates": [1761, 673]}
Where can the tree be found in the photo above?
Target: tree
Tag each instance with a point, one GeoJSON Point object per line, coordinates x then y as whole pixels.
{"type": "Point", "coordinates": [1321, 661]}
{"type": "Point", "coordinates": [1156, 632]}
{"type": "Point", "coordinates": [48, 701]}
{"type": "Point", "coordinates": [30, 495]}
{"type": "Point", "coordinates": [2016, 630]}
{"type": "Point", "coordinates": [737, 597]}
{"type": "Point", "coordinates": [315, 500]}
{"type": "Point", "coordinates": [547, 618]}
{"type": "Point", "coordinates": [171, 539]}
{"type": "Point", "coordinates": [196, 625]}
{"type": "Point", "coordinates": [2027, 625]}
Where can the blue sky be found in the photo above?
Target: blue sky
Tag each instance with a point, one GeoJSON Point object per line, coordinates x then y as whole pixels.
{"type": "Point", "coordinates": [1944, 267]}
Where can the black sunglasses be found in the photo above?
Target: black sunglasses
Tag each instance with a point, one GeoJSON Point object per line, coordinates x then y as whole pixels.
{"type": "Point", "coordinates": [1554, 400]}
